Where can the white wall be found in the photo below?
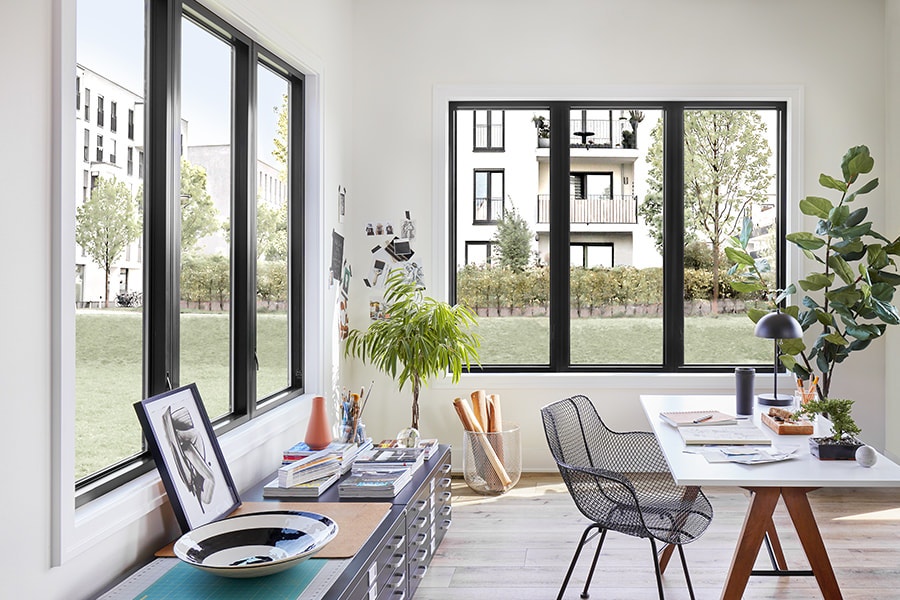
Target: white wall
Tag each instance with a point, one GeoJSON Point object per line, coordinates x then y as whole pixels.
{"type": "Point", "coordinates": [404, 48]}
{"type": "Point", "coordinates": [892, 212]}
{"type": "Point", "coordinates": [135, 521]}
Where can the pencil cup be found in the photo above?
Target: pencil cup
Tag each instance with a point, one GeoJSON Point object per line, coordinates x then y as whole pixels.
{"type": "Point", "coordinates": [743, 390]}
{"type": "Point", "coordinates": [492, 462]}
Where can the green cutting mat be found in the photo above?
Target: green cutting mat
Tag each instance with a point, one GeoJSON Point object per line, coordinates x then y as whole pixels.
{"type": "Point", "coordinates": [184, 582]}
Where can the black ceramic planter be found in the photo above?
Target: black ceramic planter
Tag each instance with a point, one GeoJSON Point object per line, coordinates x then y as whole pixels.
{"type": "Point", "coordinates": [826, 449]}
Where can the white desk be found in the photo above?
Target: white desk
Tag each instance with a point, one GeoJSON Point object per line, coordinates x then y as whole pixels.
{"type": "Point", "coordinates": [789, 480]}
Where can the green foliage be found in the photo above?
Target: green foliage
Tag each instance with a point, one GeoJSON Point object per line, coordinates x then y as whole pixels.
{"type": "Point", "coordinates": [726, 171]}
{"type": "Point", "coordinates": [838, 412]}
{"type": "Point", "coordinates": [106, 223]}
{"type": "Point", "coordinates": [205, 278]}
{"type": "Point", "coordinates": [851, 293]}
{"type": "Point", "coordinates": [271, 281]}
{"type": "Point", "coordinates": [199, 217]}
{"type": "Point", "coordinates": [272, 231]}
{"type": "Point", "coordinates": [419, 339]}
{"type": "Point", "coordinates": [512, 241]}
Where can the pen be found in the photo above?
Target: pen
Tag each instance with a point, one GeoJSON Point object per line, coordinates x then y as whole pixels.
{"type": "Point", "coordinates": [701, 419]}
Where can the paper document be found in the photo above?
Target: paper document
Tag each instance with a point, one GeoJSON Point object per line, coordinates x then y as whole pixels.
{"type": "Point", "coordinates": [724, 435]}
{"type": "Point", "coordinates": [745, 454]}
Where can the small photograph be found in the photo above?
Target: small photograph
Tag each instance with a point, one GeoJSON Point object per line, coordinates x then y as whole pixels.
{"type": "Point", "coordinates": [370, 228]}
{"type": "Point", "coordinates": [388, 228]}
{"type": "Point", "coordinates": [408, 227]}
{"type": "Point", "coordinates": [414, 273]}
{"type": "Point", "coordinates": [376, 309]}
{"type": "Point", "coordinates": [346, 274]}
{"type": "Point", "coordinates": [342, 203]}
{"type": "Point", "coordinates": [399, 249]}
{"type": "Point", "coordinates": [379, 228]}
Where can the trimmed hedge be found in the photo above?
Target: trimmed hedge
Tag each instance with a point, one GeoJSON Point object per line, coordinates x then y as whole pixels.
{"type": "Point", "coordinates": [501, 291]}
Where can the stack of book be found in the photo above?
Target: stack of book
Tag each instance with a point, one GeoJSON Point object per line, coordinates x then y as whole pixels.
{"type": "Point", "coordinates": [344, 451]}
{"type": "Point", "coordinates": [429, 445]}
{"type": "Point", "coordinates": [381, 472]}
{"type": "Point", "coordinates": [308, 489]}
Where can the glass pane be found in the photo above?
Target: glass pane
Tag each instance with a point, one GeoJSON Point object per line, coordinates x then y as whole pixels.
{"type": "Point", "coordinates": [730, 159]}
{"type": "Point", "coordinates": [511, 294]}
{"type": "Point", "coordinates": [616, 279]}
{"type": "Point", "coordinates": [205, 216]}
{"type": "Point", "coordinates": [108, 255]}
{"type": "Point", "coordinates": [496, 128]}
{"type": "Point", "coordinates": [272, 233]}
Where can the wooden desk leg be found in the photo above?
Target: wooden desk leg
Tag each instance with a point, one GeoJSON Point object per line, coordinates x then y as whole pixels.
{"type": "Point", "coordinates": [756, 522]}
{"type": "Point", "coordinates": [780, 560]}
{"type": "Point", "coordinates": [805, 523]}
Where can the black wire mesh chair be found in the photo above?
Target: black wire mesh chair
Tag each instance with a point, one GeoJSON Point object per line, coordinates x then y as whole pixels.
{"type": "Point", "coordinates": [621, 482]}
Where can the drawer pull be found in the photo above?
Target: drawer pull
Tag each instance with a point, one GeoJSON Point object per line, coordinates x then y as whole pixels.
{"type": "Point", "coordinates": [445, 524]}
{"type": "Point", "coordinates": [396, 562]}
{"type": "Point", "coordinates": [396, 542]}
{"type": "Point", "coordinates": [420, 572]}
{"type": "Point", "coordinates": [445, 497]}
{"type": "Point", "coordinates": [399, 578]}
{"type": "Point", "coordinates": [419, 556]}
{"type": "Point", "coordinates": [446, 510]}
{"type": "Point", "coordinates": [445, 468]}
{"type": "Point", "coordinates": [419, 539]}
{"type": "Point", "coordinates": [419, 505]}
{"type": "Point", "coordinates": [445, 482]}
{"type": "Point", "coordinates": [399, 595]}
{"type": "Point", "coordinates": [419, 523]}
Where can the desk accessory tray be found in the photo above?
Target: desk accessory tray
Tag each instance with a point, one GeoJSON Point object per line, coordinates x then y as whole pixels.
{"type": "Point", "coordinates": [787, 427]}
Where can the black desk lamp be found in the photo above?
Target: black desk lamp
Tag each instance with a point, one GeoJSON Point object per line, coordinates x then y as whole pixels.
{"type": "Point", "coordinates": [777, 326]}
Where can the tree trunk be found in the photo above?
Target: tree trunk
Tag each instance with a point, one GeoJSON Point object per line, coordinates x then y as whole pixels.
{"type": "Point", "coordinates": [106, 289]}
{"type": "Point", "coordinates": [714, 308]}
{"type": "Point", "coordinates": [415, 405]}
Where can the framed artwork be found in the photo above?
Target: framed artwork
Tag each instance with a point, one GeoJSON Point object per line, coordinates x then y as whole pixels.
{"type": "Point", "coordinates": [188, 457]}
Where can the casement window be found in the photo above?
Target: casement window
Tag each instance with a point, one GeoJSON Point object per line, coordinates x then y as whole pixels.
{"type": "Point", "coordinates": [87, 105]}
{"type": "Point", "coordinates": [609, 227]}
{"type": "Point", "coordinates": [101, 114]}
{"type": "Point", "coordinates": [113, 117]}
{"type": "Point", "coordinates": [87, 145]}
{"type": "Point", "coordinates": [478, 253]}
{"type": "Point", "coordinates": [488, 131]}
{"type": "Point", "coordinates": [207, 266]}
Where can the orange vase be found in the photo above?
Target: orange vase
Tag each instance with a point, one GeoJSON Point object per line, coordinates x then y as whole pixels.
{"type": "Point", "coordinates": [318, 431]}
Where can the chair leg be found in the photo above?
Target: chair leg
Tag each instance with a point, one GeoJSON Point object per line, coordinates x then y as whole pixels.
{"type": "Point", "coordinates": [687, 576]}
{"type": "Point", "coordinates": [587, 583]}
{"type": "Point", "coordinates": [659, 585]}
{"type": "Point", "coordinates": [584, 539]}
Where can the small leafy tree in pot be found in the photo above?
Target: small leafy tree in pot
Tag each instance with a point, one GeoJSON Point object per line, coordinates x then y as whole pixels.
{"type": "Point", "coordinates": [419, 339]}
{"type": "Point", "coordinates": [851, 301]}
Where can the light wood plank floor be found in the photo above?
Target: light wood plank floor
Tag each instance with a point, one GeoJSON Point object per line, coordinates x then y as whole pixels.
{"type": "Point", "coordinates": [518, 547]}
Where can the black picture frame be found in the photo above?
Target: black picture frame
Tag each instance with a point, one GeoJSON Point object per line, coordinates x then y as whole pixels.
{"type": "Point", "coordinates": [188, 457]}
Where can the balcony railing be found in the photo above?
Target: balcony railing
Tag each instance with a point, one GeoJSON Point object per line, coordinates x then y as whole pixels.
{"type": "Point", "coordinates": [595, 209]}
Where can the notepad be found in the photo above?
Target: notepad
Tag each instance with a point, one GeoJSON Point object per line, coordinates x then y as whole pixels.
{"type": "Point", "coordinates": [691, 418]}
{"type": "Point", "coordinates": [732, 435]}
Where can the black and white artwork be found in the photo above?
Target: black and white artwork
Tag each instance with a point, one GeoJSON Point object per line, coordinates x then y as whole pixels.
{"type": "Point", "coordinates": [188, 457]}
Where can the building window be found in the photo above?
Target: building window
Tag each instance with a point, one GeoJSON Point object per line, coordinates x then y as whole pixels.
{"type": "Point", "coordinates": [488, 205]}
{"type": "Point", "coordinates": [100, 111]}
{"type": "Point", "coordinates": [129, 165]}
{"type": "Point", "coordinates": [478, 253]}
{"type": "Point", "coordinates": [77, 93]}
{"type": "Point", "coordinates": [87, 105]}
{"type": "Point", "coordinates": [87, 145]}
{"type": "Point", "coordinates": [247, 307]}
{"type": "Point", "coordinates": [85, 186]}
{"type": "Point", "coordinates": [113, 121]}
{"type": "Point", "coordinates": [488, 130]}
{"type": "Point", "coordinates": [618, 253]}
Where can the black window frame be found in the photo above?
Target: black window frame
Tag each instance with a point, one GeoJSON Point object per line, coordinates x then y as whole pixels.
{"type": "Point", "coordinates": [87, 144]}
{"type": "Point", "coordinates": [99, 147]}
{"type": "Point", "coordinates": [489, 245]}
{"type": "Point", "coordinates": [489, 146]}
{"type": "Point", "coordinates": [584, 247]}
{"type": "Point", "coordinates": [129, 163]}
{"type": "Point", "coordinates": [101, 112]}
{"type": "Point", "coordinates": [113, 117]}
{"type": "Point", "coordinates": [160, 253]}
{"type": "Point", "coordinates": [87, 105]}
{"type": "Point", "coordinates": [131, 124]}
{"type": "Point", "coordinates": [673, 254]}
{"type": "Point", "coordinates": [491, 218]}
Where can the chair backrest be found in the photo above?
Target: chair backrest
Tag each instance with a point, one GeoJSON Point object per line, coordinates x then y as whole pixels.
{"type": "Point", "coordinates": [576, 434]}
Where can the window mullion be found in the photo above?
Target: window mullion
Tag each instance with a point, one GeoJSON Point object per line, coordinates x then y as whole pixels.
{"type": "Point", "coordinates": [560, 327]}
{"type": "Point", "coordinates": [161, 196]}
{"type": "Point", "coordinates": [673, 239]}
{"type": "Point", "coordinates": [243, 239]}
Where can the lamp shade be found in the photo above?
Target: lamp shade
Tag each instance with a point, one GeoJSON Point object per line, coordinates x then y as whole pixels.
{"type": "Point", "coordinates": [778, 325]}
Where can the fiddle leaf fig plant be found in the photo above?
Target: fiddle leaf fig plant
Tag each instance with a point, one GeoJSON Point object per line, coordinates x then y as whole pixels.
{"type": "Point", "coordinates": [848, 297]}
{"type": "Point", "coordinates": [419, 339]}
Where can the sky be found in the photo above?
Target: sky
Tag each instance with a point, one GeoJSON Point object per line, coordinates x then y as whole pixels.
{"type": "Point", "coordinates": [110, 41]}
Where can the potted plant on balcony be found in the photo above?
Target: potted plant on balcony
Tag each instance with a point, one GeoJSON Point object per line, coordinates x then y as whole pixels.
{"type": "Point", "coordinates": [634, 117]}
{"type": "Point", "coordinates": [848, 303]}
{"type": "Point", "coordinates": [542, 124]}
{"type": "Point", "coordinates": [419, 339]}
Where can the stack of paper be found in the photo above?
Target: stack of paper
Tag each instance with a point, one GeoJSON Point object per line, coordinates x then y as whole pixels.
{"type": "Point", "coordinates": [315, 466]}
{"type": "Point", "coordinates": [345, 452]}
{"type": "Point", "coordinates": [308, 489]}
{"type": "Point", "coordinates": [381, 458]}
{"type": "Point", "coordinates": [374, 483]}
{"type": "Point", "coordinates": [730, 435]}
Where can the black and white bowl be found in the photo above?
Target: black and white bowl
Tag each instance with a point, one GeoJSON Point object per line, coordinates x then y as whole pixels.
{"type": "Point", "coordinates": [256, 544]}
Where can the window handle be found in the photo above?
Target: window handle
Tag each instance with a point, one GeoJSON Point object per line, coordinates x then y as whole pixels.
{"type": "Point", "coordinates": [168, 383]}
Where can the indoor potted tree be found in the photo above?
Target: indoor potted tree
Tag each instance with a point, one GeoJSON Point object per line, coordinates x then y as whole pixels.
{"type": "Point", "coordinates": [848, 302]}
{"type": "Point", "coordinates": [419, 338]}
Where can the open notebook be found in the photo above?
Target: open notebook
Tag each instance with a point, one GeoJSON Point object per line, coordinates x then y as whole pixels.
{"type": "Point", "coordinates": [691, 418]}
{"type": "Point", "coordinates": [731, 435]}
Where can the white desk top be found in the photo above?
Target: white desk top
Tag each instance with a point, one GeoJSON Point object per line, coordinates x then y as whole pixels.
{"type": "Point", "coordinates": [803, 471]}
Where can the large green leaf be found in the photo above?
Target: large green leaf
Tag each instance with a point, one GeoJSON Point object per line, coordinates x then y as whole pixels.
{"type": "Point", "coordinates": [788, 361]}
{"type": "Point", "coordinates": [849, 248]}
{"type": "Point", "coordinates": [739, 256]}
{"type": "Point", "coordinates": [893, 247]}
{"type": "Point", "coordinates": [892, 279]}
{"type": "Point", "coordinates": [848, 296]}
{"type": "Point", "coordinates": [838, 215]}
{"type": "Point", "coordinates": [857, 216]}
{"type": "Point", "coordinates": [882, 291]}
{"type": "Point", "coordinates": [792, 346]}
{"type": "Point", "coordinates": [816, 206]}
{"type": "Point", "coordinates": [746, 232]}
{"type": "Point", "coordinates": [832, 183]}
{"type": "Point", "coordinates": [744, 287]}
{"type": "Point", "coordinates": [863, 332]}
{"type": "Point", "coordinates": [843, 270]}
{"type": "Point", "coordinates": [865, 189]}
{"type": "Point", "coordinates": [854, 232]}
{"type": "Point", "coordinates": [826, 319]}
{"type": "Point", "coordinates": [855, 161]}
{"type": "Point", "coordinates": [886, 311]}
{"type": "Point", "coordinates": [816, 281]}
{"type": "Point", "coordinates": [756, 314]}
{"type": "Point", "coordinates": [836, 339]}
{"type": "Point", "coordinates": [877, 257]}
{"type": "Point", "coordinates": [805, 240]}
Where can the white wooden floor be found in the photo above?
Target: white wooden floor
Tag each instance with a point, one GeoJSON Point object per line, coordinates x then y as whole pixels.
{"type": "Point", "coordinates": [518, 547]}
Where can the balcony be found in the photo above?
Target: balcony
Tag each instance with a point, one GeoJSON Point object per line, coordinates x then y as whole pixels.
{"type": "Point", "coordinates": [594, 210]}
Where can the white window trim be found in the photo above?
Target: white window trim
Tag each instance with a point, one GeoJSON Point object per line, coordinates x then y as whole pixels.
{"type": "Point", "coordinates": [75, 531]}
{"type": "Point", "coordinates": [443, 95]}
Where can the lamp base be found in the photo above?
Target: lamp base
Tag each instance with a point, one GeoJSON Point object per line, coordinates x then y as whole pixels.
{"type": "Point", "coordinates": [775, 399]}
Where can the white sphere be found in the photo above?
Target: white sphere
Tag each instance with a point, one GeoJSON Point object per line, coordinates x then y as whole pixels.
{"type": "Point", "coordinates": [866, 456]}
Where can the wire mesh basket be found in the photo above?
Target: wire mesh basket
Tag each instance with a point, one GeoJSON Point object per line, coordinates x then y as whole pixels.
{"type": "Point", "coordinates": [492, 462]}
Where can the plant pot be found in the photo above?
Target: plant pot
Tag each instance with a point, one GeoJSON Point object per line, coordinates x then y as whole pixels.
{"type": "Point", "coordinates": [825, 448]}
{"type": "Point", "coordinates": [543, 142]}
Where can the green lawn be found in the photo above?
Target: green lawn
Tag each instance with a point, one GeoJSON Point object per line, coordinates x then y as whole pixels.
{"type": "Point", "coordinates": [108, 361]}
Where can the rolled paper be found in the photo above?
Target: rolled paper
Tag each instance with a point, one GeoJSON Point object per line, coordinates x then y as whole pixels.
{"type": "Point", "coordinates": [468, 418]}
{"type": "Point", "coordinates": [495, 420]}
{"type": "Point", "coordinates": [480, 408]}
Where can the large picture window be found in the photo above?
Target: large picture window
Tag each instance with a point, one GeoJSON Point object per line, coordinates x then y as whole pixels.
{"type": "Point", "coordinates": [609, 254]}
{"type": "Point", "coordinates": [182, 246]}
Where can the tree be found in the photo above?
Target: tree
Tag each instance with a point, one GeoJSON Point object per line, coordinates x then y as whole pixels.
{"type": "Point", "coordinates": [272, 231]}
{"type": "Point", "coordinates": [726, 172]}
{"type": "Point", "coordinates": [199, 217]}
{"type": "Point", "coordinates": [106, 223]}
{"type": "Point", "coordinates": [513, 241]}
